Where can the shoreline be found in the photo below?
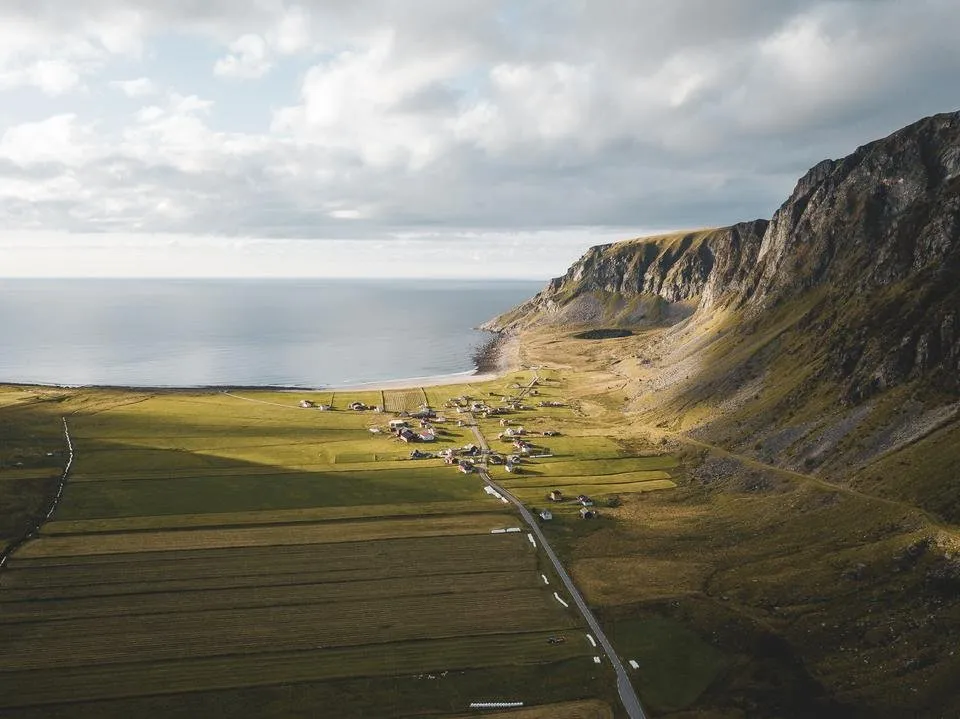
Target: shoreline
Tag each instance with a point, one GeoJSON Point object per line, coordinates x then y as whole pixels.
{"type": "Point", "coordinates": [494, 358]}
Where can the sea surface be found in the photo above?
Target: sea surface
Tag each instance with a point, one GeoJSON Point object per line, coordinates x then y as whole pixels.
{"type": "Point", "coordinates": [296, 333]}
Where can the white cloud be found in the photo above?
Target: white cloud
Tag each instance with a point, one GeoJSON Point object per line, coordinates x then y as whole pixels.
{"type": "Point", "coordinates": [141, 87]}
{"type": "Point", "coordinates": [57, 140]}
{"type": "Point", "coordinates": [369, 118]}
{"type": "Point", "coordinates": [248, 59]}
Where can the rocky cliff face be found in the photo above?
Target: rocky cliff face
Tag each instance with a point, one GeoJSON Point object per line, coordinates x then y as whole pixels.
{"type": "Point", "coordinates": [659, 278]}
{"type": "Point", "coordinates": [876, 235]}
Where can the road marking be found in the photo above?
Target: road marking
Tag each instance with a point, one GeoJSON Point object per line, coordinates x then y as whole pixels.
{"type": "Point", "coordinates": [560, 600]}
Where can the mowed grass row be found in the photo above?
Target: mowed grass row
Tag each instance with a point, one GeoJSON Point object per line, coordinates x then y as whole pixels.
{"type": "Point", "coordinates": [176, 495]}
{"type": "Point", "coordinates": [275, 536]}
{"type": "Point", "coordinates": [51, 577]}
{"type": "Point", "coordinates": [270, 594]}
{"type": "Point", "coordinates": [403, 660]}
{"type": "Point", "coordinates": [374, 620]}
{"type": "Point", "coordinates": [276, 516]}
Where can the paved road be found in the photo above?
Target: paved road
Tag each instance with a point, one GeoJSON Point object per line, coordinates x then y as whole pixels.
{"type": "Point", "coordinates": [33, 530]}
{"type": "Point", "coordinates": [631, 702]}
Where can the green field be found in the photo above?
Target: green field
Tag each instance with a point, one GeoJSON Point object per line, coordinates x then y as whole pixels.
{"type": "Point", "coordinates": [215, 551]}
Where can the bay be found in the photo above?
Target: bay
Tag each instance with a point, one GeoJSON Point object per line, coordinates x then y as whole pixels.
{"type": "Point", "coordinates": [294, 333]}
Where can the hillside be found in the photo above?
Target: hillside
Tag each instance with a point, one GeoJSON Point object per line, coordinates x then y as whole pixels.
{"type": "Point", "coordinates": [810, 366]}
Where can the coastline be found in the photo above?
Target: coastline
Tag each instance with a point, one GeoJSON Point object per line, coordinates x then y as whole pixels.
{"type": "Point", "coordinates": [494, 358]}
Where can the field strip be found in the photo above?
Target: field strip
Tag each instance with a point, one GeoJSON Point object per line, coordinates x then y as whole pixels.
{"type": "Point", "coordinates": [582, 709]}
{"type": "Point", "coordinates": [268, 516]}
{"type": "Point", "coordinates": [538, 480]}
{"type": "Point", "coordinates": [606, 465]}
{"type": "Point", "coordinates": [395, 552]}
{"type": "Point", "coordinates": [52, 685]}
{"type": "Point", "coordinates": [97, 640]}
{"type": "Point", "coordinates": [261, 595]}
{"type": "Point", "coordinates": [350, 531]}
{"type": "Point", "coordinates": [538, 493]}
{"type": "Point", "coordinates": [400, 466]}
{"type": "Point", "coordinates": [93, 586]}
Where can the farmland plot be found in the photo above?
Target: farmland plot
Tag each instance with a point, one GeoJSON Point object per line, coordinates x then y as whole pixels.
{"type": "Point", "coordinates": [213, 552]}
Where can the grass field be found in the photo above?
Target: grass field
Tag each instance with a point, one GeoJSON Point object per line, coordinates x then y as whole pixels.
{"type": "Point", "coordinates": [218, 550]}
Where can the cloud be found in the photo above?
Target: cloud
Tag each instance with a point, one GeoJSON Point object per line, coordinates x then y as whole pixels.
{"type": "Point", "coordinates": [141, 87]}
{"type": "Point", "coordinates": [369, 120]}
{"type": "Point", "coordinates": [248, 58]}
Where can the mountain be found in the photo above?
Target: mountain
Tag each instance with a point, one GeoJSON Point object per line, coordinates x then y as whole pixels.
{"type": "Point", "coordinates": [807, 370]}
{"type": "Point", "coordinates": [850, 291]}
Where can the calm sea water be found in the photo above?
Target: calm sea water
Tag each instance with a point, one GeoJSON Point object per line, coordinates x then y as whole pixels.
{"type": "Point", "coordinates": [301, 333]}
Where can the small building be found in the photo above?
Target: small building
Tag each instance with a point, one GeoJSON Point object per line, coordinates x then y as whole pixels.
{"type": "Point", "coordinates": [465, 467]}
{"type": "Point", "coordinates": [407, 435]}
{"type": "Point", "coordinates": [556, 496]}
{"type": "Point", "coordinates": [584, 500]}
{"type": "Point", "coordinates": [587, 513]}
{"type": "Point", "coordinates": [306, 404]}
{"type": "Point", "coordinates": [550, 433]}
{"type": "Point", "coordinates": [512, 468]}
{"type": "Point", "coordinates": [324, 407]}
{"type": "Point", "coordinates": [358, 406]}
{"type": "Point", "coordinates": [398, 423]}
{"type": "Point", "coordinates": [546, 515]}
{"type": "Point", "coordinates": [427, 436]}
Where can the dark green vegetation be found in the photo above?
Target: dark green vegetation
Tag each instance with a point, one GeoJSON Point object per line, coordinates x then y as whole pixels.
{"type": "Point", "coordinates": [214, 555]}
{"type": "Point", "coordinates": [602, 334]}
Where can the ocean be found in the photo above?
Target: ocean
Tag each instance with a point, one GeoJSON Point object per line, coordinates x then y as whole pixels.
{"type": "Point", "coordinates": [292, 333]}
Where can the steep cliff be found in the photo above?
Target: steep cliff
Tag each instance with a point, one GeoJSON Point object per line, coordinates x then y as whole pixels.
{"type": "Point", "coordinates": [646, 280]}
{"type": "Point", "coordinates": [875, 237]}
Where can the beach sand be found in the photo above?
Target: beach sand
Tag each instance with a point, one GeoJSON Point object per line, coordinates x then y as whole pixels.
{"type": "Point", "coordinates": [501, 354]}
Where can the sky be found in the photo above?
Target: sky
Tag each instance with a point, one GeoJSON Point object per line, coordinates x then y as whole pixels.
{"type": "Point", "coordinates": [454, 138]}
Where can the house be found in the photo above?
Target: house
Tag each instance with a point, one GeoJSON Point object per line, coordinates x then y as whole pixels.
{"type": "Point", "coordinates": [512, 468]}
{"type": "Point", "coordinates": [306, 404]}
{"type": "Point", "coordinates": [587, 513]}
{"type": "Point", "coordinates": [546, 515]}
{"type": "Point", "coordinates": [407, 435]}
{"type": "Point", "coordinates": [378, 409]}
{"type": "Point", "coordinates": [495, 459]}
{"type": "Point", "coordinates": [551, 433]}
{"type": "Point", "coordinates": [324, 407]}
{"type": "Point", "coordinates": [465, 467]}
{"type": "Point", "coordinates": [417, 454]}
{"type": "Point", "coordinates": [584, 500]}
{"type": "Point", "coordinates": [357, 406]}
{"type": "Point", "coordinates": [556, 496]}
{"type": "Point", "coordinates": [398, 423]}
{"type": "Point", "coordinates": [427, 436]}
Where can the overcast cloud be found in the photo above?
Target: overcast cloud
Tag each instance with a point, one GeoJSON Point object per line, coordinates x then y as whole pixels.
{"type": "Point", "coordinates": [457, 124]}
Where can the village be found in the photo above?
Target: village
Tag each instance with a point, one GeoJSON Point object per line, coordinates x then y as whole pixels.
{"type": "Point", "coordinates": [425, 425]}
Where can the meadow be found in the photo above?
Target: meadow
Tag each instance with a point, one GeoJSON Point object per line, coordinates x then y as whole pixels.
{"type": "Point", "coordinates": [235, 550]}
